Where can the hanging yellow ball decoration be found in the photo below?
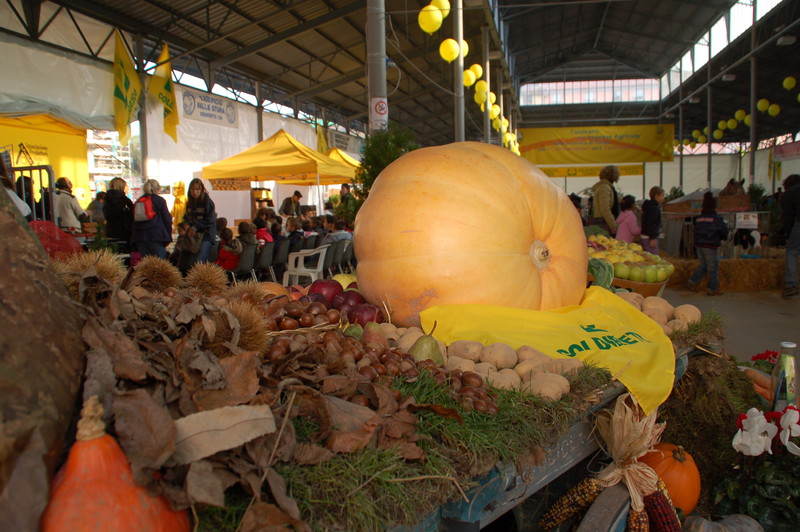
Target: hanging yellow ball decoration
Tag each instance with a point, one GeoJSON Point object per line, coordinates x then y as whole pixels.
{"type": "Point", "coordinates": [505, 121]}
{"type": "Point", "coordinates": [696, 133]}
{"type": "Point", "coordinates": [702, 139]}
{"type": "Point", "coordinates": [705, 130]}
{"type": "Point", "coordinates": [494, 112]}
{"type": "Point", "coordinates": [740, 114]}
{"type": "Point", "coordinates": [747, 120]}
{"type": "Point", "coordinates": [464, 48]}
{"type": "Point", "coordinates": [774, 109]}
{"type": "Point", "coordinates": [443, 5]}
{"type": "Point", "coordinates": [722, 124]}
{"type": "Point", "coordinates": [448, 50]}
{"type": "Point", "coordinates": [732, 123]}
{"type": "Point", "coordinates": [429, 19]}
{"type": "Point", "coordinates": [496, 124]}
{"type": "Point", "coordinates": [477, 70]}
{"type": "Point", "coordinates": [469, 78]}
{"type": "Point", "coordinates": [676, 142]}
{"type": "Point", "coordinates": [693, 145]}
{"type": "Point", "coordinates": [492, 98]}
{"type": "Point", "coordinates": [789, 82]}
{"type": "Point", "coordinates": [481, 86]}
{"type": "Point", "coordinates": [686, 142]}
{"type": "Point", "coordinates": [480, 97]}
{"type": "Point", "coordinates": [718, 134]}
{"type": "Point", "coordinates": [762, 105]}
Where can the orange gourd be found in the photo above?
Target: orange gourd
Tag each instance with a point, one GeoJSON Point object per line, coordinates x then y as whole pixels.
{"type": "Point", "coordinates": [677, 468]}
{"type": "Point", "coordinates": [275, 288]}
{"type": "Point", "coordinates": [468, 223]}
{"type": "Point", "coordinates": [94, 490]}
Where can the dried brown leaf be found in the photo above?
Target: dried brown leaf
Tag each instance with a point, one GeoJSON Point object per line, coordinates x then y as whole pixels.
{"type": "Point", "coordinates": [124, 353]}
{"type": "Point", "coordinates": [406, 449]}
{"type": "Point", "coordinates": [311, 454]}
{"type": "Point", "coordinates": [209, 326]}
{"type": "Point", "coordinates": [380, 396]}
{"type": "Point", "coordinates": [203, 486]}
{"type": "Point", "coordinates": [260, 450]}
{"type": "Point", "coordinates": [241, 383]}
{"type": "Point", "coordinates": [144, 428]}
{"type": "Point", "coordinates": [188, 311]}
{"type": "Point", "coordinates": [100, 379]}
{"type": "Point", "coordinates": [24, 495]}
{"type": "Point", "coordinates": [439, 410]}
{"type": "Point", "coordinates": [349, 417]}
{"type": "Point", "coordinates": [264, 517]}
{"type": "Point", "coordinates": [277, 486]}
{"type": "Point", "coordinates": [205, 433]}
{"type": "Point", "coordinates": [349, 442]}
{"type": "Point", "coordinates": [339, 385]}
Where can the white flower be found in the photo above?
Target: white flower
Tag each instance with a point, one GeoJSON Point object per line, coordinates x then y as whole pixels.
{"type": "Point", "coordinates": [790, 428]}
{"type": "Point", "coordinates": [756, 434]}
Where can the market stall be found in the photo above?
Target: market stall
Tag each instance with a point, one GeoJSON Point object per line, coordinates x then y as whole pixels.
{"type": "Point", "coordinates": [443, 389]}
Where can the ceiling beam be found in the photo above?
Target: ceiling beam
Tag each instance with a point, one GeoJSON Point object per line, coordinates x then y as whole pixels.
{"type": "Point", "coordinates": [286, 34]}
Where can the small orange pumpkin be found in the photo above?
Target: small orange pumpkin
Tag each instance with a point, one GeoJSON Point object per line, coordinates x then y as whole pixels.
{"type": "Point", "coordinates": [468, 223]}
{"type": "Point", "coordinates": [94, 490]}
{"type": "Point", "coordinates": [275, 288]}
{"type": "Point", "coordinates": [677, 469]}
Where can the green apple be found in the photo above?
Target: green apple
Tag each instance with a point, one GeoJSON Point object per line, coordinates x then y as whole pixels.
{"type": "Point", "coordinates": [636, 274]}
{"type": "Point", "coordinates": [662, 273]}
{"type": "Point", "coordinates": [670, 268]}
{"type": "Point", "coordinates": [650, 273]}
{"type": "Point", "coordinates": [622, 270]}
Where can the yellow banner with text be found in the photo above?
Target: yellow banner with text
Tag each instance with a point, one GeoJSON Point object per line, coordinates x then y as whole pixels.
{"type": "Point", "coordinates": [598, 144]}
{"type": "Point", "coordinates": [625, 170]}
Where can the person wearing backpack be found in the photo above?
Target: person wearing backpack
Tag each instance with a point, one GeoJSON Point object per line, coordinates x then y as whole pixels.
{"type": "Point", "coordinates": [152, 222]}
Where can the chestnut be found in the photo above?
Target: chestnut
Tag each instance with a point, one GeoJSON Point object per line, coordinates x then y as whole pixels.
{"type": "Point", "coordinates": [275, 352]}
{"type": "Point", "coordinates": [361, 400]}
{"type": "Point", "coordinates": [368, 372]}
{"type": "Point", "coordinates": [334, 316]}
{"type": "Point", "coordinates": [470, 378]}
{"type": "Point", "coordinates": [479, 405]}
{"type": "Point", "coordinates": [289, 324]}
{"type": "Point", "coordinates": [306, 319]}
{"type": "Point", "coordinates": [293, 309]}
{"type": "Point", "coordinates": [380, 368]}
{"type": "Point", "coordinates": [320, 319]}
{"type": "Point", "coordinates": [316, 307]}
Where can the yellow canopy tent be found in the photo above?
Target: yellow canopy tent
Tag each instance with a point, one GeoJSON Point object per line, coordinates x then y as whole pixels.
{"type": "Point", "coordinates": [339, 155]}
{"type": "Point", "coordinates": [284, 159]}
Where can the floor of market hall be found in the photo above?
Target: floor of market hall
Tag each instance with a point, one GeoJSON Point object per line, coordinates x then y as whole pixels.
{"type": "Point", "coordinates": [752, 321]}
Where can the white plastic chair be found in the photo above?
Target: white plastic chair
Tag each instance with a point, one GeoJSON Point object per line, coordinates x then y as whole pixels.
{"type": "Point", "coordinates": [296, 266]}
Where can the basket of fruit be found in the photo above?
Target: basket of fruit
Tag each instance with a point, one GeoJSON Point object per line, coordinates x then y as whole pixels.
{"type": "Point", "coordinates": [632, 268]}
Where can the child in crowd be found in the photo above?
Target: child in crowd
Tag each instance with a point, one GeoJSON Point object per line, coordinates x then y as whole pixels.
{"type": "Point", "coordinates": [276, 230]}
{"type": "Point", "coordinates": [222, 223]}
{"type": "Point", "coordinates": [295, 234]}
{"type": "Point", "coordinates": [247, 233]}
{"type": "Point", "coordinates": [651, 220]}
{"type": "Point", "coordinates": [627, 225]}
{"type": "Point", "coordinates": [263, 236]}
{"type": "Point", "coordinates": [229, 250]}
{"type": "Point", "coordinates": [180, 258]}
{"type": "Point", "coordinates": [710, 229]}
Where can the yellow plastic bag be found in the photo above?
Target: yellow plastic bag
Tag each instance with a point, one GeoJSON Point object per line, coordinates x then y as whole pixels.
{"type": "Point", "coordinates": [604, 330]}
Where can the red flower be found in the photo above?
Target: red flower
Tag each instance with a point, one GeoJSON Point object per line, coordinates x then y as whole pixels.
{"type": "Point", "coordinates": [769, 356]}
{"type": "Point", "coordinates": [741, 418]}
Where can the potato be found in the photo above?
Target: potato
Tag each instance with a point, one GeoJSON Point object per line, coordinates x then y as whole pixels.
{"type": "Point", "coordinates": [657, 315]}
{"type": "Point", "coordinates": [659, 303]}
{"type": "Point", "coordinates": [389, 331]}
{"type": "Point", "coordinates": [506, 379]}
{"type": "Point", "coordinates": [547, 385]}
{"type": "Point", "coordinates": [677, 325]}
{"type": "Point", "coordinates": [465, 349]}
{"type": "Point", "coordinates": [454, 362]}
{"type": "Point", "coordinates": [667, 328]}
{"type": "Point", "coordinates": [500, 354]}
{"type": "Point", "coordinates": [528, 368]}
{"type": "Point", "coordinates": [526, 352]}
{"type": "Point", "coordinates": [485, 368]}
{"type": "Point", "coordinates": [563, 366]}
{"type": "Point", "coordinates": [633, 298]}
{"type": "Point", "coordinates": [687, 313]}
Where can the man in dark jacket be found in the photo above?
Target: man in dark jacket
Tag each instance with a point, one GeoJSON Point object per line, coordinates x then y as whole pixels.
{"type": "Point", "coordinates": [790, 208]}
{"type": "Point", "coordinates": [710, 229]}
{"type": "Point", "coordinates": [152, 236]}
{"type": "Point", "coordinates": [291, 205]}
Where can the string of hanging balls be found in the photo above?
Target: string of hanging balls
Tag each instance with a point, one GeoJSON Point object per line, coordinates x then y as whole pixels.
{"type": "Point", "coordinates": [430, 20]}
{"type": "Point", "coordinates": [741, 116]}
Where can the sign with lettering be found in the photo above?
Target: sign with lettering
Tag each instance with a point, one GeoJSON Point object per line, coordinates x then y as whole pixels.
{"type": "Point", "coordinates": [231, 183]}
{"type": "Point", "coordinates": [207, 107]}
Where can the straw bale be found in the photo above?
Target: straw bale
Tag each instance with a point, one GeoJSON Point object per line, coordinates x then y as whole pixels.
{"type": "Point", "coordinates": [735, 275]}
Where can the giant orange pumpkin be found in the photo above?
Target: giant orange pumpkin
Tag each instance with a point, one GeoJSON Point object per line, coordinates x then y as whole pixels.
{"type": "Point", "coordinates": [677, 469]}
{"type": "Point", "coordinates": [468, 223]}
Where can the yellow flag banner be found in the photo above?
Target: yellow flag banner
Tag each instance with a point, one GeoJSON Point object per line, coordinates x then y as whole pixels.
{"type": "Point", "coordinates": [322, 142]}
{"type": "Point", "coordinates": [597, 144]}
{"type": "Point", "coordinates": [162, 89]}
{"type": "Point", "coordinates": [590, 171]}
{"type": "Point", "coordinates": [603, 330]}
{"type": "Point", "coordinates": [127, 90]}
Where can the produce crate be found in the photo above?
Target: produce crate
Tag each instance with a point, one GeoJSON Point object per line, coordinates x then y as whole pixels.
{"type": "Point", "coordinates": [646, 289]}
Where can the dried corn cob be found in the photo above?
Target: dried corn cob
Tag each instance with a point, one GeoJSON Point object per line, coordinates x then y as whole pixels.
{"type": "Point", "coordinates": [660, 513]}
{"type": "Point", "coordinates": [573, 501]}
{"type": "Point", "coordinates": [663, 489]}
{"type": "Point", "coordinates": [638, 522]}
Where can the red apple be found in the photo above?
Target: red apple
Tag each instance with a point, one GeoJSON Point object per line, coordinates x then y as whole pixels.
{"type": "Point", "coordinates": [349, 297]}
{"type": "Point", "coordinates": [363, 314]}
{"type": "Point", "coordinates": [327, 287]}
{"type": "Point", "coordinates": [353, 286]}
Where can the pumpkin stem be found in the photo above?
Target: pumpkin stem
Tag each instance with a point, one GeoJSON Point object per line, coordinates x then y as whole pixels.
{"type": "Point", "coordinates": [679, 454]}
{"type": "Point", "coordinates": [434, 328]}
{"type": "Point", "coordinates": [540, 254]}
{"type": "Point", "coordinates": [91, 425]}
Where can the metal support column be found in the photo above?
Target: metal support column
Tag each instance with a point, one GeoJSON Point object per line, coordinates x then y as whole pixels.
{"type": "Point", "coordinates": [142, 105]}
{"type": "Point", "coordinates": [487, 123]}
{"type": "Point", "coordinates": [753, 88]}
{"type": "Point", "coordinates": [259, 113]}
{"type": "Point", "coordinates": [458, 74]}
{"type": "Point", "coordinates": [376, 65]}
{"type": "Point", "coordinates": [710, 131]}
{"type": "Point", "coordinates": [680, 147]}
